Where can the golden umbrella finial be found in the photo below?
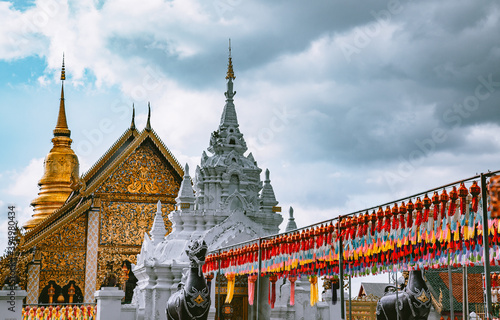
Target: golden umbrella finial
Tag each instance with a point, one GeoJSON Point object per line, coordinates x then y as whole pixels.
{"type": "Point", "coordinates": [63, 71]}
{"type": "Point", "coordinates": [230, 72]}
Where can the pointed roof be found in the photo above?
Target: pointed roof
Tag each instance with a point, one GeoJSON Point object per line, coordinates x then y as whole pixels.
{"type": "Point", "coordinates": [62, 125]}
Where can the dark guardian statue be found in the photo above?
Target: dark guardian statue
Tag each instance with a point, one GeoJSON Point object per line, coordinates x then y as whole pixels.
{"type": "Point", "coordinates": [192, 300]}
{"type": "Point", "coordinates": [414, 301]}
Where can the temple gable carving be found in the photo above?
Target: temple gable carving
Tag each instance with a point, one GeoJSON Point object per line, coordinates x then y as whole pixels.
{"type": "Point", "coordinates": [143, 172]}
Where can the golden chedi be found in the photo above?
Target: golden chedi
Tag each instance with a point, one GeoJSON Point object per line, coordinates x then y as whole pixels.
{"type": "Point", "coordinates": [60, 170]}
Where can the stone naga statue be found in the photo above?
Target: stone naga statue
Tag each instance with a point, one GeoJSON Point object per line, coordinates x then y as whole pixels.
{"type": "Point", "coordinates": [414, 301]}
{"type": "Point", "coordinates": [192, 300]}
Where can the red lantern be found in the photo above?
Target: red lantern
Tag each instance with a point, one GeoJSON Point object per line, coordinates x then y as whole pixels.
{"type": "Point", "coordinates": [427, 204]}
{"type": "Point", "coordinates": [380, 217]}
{"type": "Point", "coordinates": [387, 215]}
{"type": "Point", "coordinates": [419, 206]}
{"type": "Point", "coordinates": [453, 200]}
{"type": "Point", "coordinates": [475, 190]}
{"type": "Point", "coordinates": [462, 193]}
{"type": "Point", "coordinates": [409, 207]}
{"type": "Point", "coordinates": [402, 212]}
{"type": "Point", "coordinates": [435, 202]}
{"type": "Point", "coordinates": [494, 191]}
{"type": "Point", "coordinates": [443, 198]}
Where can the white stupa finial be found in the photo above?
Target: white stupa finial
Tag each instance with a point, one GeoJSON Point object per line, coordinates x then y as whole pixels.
{"type": "Point", "coordinates": [158, 230]}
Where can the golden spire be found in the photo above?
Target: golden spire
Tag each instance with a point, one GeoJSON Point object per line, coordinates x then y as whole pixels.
{"type": "Point", "coordinates": [60, 169]}
{"type": "Point", "coordinates": [62, 125]}
{"type": "Point", "coordinates": [230, 72]}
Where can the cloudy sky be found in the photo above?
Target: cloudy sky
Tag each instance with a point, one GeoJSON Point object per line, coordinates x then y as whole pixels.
{"type": "Point", "coordinates": [348, 103]}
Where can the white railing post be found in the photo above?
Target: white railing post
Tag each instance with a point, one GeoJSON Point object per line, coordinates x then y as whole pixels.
{"type": "Point", "coordinates": [109, 300]}
{"type": "Point", "coordinates": [11, 302]}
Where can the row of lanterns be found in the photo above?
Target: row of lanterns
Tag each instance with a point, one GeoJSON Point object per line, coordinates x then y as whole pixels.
{"type": "Point", "coordinates": [428, 233]}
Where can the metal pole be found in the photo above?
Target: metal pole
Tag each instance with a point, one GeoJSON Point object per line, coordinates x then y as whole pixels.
{"type": "Point", "coordinates": [258, 279]}
{"type": "Point", "coordinates": [217, 281]}
{"type": "Point", "coordinates": [350, 299]}
{"type": "Point", "coordinates": [341, 276]}
{"type": "Point", "coordinates": [450, 286]}
{"type": "Point", "coordinates": [465, 307]}
{"type": "Point", "coordinates": [397, 297]}
{"type": "Point", "coordinates": [486, 248]}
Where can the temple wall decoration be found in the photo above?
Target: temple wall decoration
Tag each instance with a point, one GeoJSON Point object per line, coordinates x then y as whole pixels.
{"type": "Point", "coordinates": [91, 256]}
{"type": "Point", "coordinates": [124, 224]}
{"type": "Point", "coordinates": [142, 172]}
{"type": "Point", "coordinates": [62, 255]}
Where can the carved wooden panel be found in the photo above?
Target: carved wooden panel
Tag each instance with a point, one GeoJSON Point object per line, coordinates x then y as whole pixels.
{"type": "Point", "coordinates": [145, 171]}
{"type": "Point", "coordinates": [70, 237]}
{"type": "Point", "coordinates": [62, 260]}
{"type": "Point", "coordinates": [124, 224]}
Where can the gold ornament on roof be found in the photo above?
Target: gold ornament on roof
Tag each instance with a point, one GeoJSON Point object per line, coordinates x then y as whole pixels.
{"type": "Point", "coordinates": [230, 72]}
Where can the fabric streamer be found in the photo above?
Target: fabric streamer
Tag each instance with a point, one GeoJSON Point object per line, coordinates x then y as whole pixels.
{"type": "Point", "coordinates": [272, 294]}
{"type": "Point", "coordinates": [251, 288]}
{"type": "Point", "coordinates": [292, 280]}
{"type": "Point", "coordinates": [314, 289]}
{"type": "Point", "coordinates": [230, 287]}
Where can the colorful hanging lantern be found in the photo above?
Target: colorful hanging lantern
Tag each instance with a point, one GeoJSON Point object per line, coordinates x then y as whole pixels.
{"type": "Point", "coordinates": [402, 213]}
{"type": "Point", "coordinates": [443, 198]}
{"type": "Point", "coordinates": [475, 190]}
{"type": "Point", "coordinates": [494, 190]}
{"type": "Point", "coordinates": [410, 207]}
{"type": "Point", "coordinates": [427, 204]}
{"type": "Point", "coordinates": [453, 201]}
{"type": "Point", "coordinates": [419, 206]}
{"type": "Point", "coordinates": [435, 202]}
{"type": "Point", "coordinates": [462, 193]}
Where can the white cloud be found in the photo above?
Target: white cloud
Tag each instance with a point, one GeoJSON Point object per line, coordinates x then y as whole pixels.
{"type": "Point", "coordinates": [24, 183]}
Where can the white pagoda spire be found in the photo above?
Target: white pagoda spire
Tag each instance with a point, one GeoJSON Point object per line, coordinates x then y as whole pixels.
{"type": "Point", "coordinates": [185, 199]}
{"type": "Point", "coordinates": [267, 198]}
{"type": "Point", "coordinates": [291, 225]}
{"type": "Point", "coordinates": [158, 230]}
